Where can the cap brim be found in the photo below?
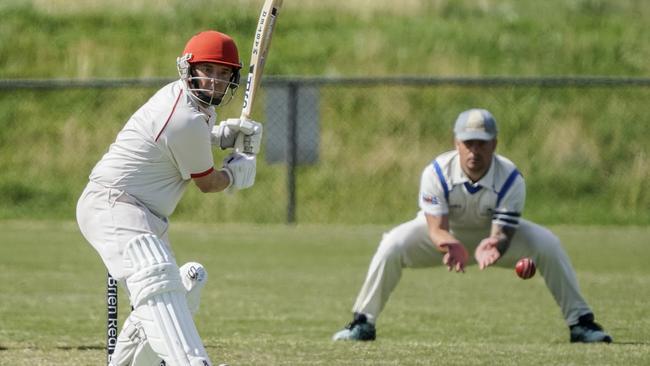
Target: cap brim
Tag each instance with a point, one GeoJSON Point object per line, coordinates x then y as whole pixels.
{"type": "Point", "coordinates": [474, 135]}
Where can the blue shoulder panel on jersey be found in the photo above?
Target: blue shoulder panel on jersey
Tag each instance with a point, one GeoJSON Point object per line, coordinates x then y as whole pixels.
{"type": "Point", "coordinates": [441, 176]}
{"type": "Point", "coordinates": [506, 186]}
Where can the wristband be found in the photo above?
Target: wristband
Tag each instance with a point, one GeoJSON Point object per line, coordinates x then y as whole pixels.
{"type": "Point", "coordinates": [231, 179]}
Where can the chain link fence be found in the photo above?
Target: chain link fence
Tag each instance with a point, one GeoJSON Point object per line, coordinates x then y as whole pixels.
{"type": "Point", "coordinates": [349, 151]}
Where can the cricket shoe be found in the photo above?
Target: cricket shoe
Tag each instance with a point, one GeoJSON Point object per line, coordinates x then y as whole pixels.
{"type": "Point", "coordinates": [358, 330]}
{"type": "Point", "coordinates": [588, 331]}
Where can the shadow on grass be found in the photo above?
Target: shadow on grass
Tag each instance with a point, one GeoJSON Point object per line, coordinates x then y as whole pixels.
{"type": "Point", "coordinates": [85, 348]}
{"type": "Point", "coordinates": [80, 348]}
{"type": "Point", "coordinates": [630, 343]}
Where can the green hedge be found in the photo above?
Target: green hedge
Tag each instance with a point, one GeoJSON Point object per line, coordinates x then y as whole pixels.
{"type": "Point", "coordinates": [583, 150]}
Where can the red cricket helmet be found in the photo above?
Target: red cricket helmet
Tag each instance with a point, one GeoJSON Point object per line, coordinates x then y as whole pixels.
{"type": "Point", "coordinates": [212, 46]}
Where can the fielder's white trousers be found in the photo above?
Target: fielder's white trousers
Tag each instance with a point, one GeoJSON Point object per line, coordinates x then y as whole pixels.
{"type": "Point", "coordinates": [409, 246]}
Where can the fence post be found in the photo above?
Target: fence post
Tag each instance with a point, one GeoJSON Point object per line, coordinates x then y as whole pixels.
{"type": "Point", "coordinates": [292, 154]}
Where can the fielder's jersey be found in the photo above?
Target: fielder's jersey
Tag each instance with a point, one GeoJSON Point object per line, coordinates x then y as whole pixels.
{"type": "Point", "coordinates": [497, 198]}
{"type": "Point", "coordinates": [163, 145]}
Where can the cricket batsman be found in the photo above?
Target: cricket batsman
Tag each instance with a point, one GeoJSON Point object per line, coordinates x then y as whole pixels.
{"type": "Point", "coordinates": [133, 190]}
{"type": "Point", "coordinates": [471, 200]}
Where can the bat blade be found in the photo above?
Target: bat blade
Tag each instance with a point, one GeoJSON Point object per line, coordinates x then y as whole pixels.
{"type": "Point", "coordinates": [259, 52]}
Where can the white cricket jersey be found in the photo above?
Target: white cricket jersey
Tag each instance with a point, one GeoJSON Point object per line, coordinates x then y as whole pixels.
{"type": "Point", "coordinates": [497, 198]}
{"type": "Point", "coordinates": [163, 145]}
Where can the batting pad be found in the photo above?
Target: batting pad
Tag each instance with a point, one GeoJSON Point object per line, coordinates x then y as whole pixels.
{"type": "Point", "coordinates": [153, 266]}
{"type": "Point", "coordinates": [158, 297]}
{"type": "Point", "coordinates": [132, 347]}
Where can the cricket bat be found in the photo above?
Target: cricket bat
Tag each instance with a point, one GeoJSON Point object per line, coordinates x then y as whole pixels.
{"type": "Point", "coordinates": [261, 44]}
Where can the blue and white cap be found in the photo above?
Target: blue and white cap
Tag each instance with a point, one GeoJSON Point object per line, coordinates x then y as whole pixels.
{"type": "Point", "coordinates": [475, 124]}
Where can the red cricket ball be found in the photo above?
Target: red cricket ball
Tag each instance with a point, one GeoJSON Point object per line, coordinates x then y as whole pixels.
{"type": "Point", "coordinates": [525, 268]}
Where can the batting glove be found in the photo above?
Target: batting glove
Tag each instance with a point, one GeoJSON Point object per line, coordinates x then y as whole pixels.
{"type": "Point", "coordinates": [226, 133]}
{"type": "Point", "coordinates": [249, 144]}
{"type": "Point", "coordinates": [241, 169]}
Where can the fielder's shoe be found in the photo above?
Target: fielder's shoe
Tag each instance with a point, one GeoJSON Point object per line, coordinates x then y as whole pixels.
{"type": "Point", "coordinates": [358, 330]}
{"type": "Point", "coordinates": [588, 331]}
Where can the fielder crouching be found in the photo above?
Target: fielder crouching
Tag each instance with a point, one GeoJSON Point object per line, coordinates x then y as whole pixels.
{"type": "Point", "coordinates": [471, 200]}
{"type": "Point", "coordinates": [123, 211]}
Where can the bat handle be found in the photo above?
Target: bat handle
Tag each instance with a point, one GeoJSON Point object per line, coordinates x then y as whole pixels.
{"type": "Point", "coordinates": [245, 116]}
{"type": "Point", "coordinates": [239, 141]}
{"type": "Point", "coordinates": [240, 145]}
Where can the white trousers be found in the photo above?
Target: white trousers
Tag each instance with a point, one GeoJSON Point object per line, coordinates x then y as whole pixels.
{"type": "Point", "coordinates": [110, 218]}
{"type": "Point", "coordinates": [409, 246]}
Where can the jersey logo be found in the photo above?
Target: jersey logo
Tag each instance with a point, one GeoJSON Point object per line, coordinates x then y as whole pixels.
{"type": "Point", "coordinates": [433, 200]}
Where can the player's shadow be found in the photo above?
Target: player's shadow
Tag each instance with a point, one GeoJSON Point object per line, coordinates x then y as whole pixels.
{"type": "Point", "coordinates": [80, 348]}
{"type": "Point", "coordinates": [613, 344]}
{"type": "Point", "coordinates": [88, 347]}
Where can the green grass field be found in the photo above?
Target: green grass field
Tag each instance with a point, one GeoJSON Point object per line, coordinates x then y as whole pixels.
{"type": "Point", "coordinates": [276, 294]}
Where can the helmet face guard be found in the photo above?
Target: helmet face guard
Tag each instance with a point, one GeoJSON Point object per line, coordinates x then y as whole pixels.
{"type": "Point", "coordinates": [211, 96]}
{"type": "Point", "coordinates": [211, 47]}
{"type": "Point", "coordinates": [205, 95]}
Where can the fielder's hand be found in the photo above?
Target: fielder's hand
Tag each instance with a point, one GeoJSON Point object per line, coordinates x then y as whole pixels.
{"type": "Point", "coordinates": [456, 256]}
{"type": "Point", "coordinates": [241, 169]}
{"type": "Point", "coordinates": [226, 133]}
{"type": "Point", "coordinates": [487, 252]}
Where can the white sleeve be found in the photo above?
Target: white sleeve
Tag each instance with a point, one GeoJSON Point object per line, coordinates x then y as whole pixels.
{"type": "Point", "coordinates": [433, 200]}
{"type": "Point", "coordinates": [189, 144]}
{"type": "Point", "coordinates": [511, 205]}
